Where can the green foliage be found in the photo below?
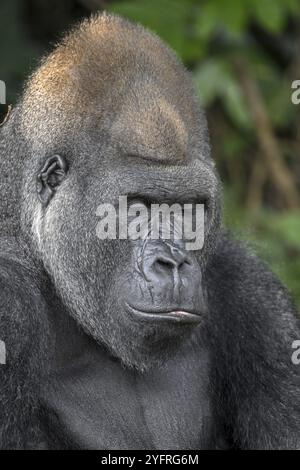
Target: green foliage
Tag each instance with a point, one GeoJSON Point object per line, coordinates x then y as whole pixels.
{"type": "Point", "coordinates": [170, 19]}
{"type": "Point", "coordinates": [215, 79]}
{"type": "Point", "coordinates": [272, 235]}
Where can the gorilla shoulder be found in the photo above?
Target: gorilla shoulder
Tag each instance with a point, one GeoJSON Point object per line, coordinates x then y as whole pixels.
{"type": "Point", "coordinates": [23, 333]}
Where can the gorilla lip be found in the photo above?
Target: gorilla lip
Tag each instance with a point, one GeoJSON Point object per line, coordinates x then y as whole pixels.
{"type": "Point", "coordinates": [174, 315]}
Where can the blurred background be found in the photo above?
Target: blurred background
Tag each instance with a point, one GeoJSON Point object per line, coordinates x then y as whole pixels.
{"type": "Point", "coordinates": [244, 56]}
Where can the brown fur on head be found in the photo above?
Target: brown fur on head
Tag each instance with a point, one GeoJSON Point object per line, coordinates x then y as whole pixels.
{"type": "Point", "coordinates": [107, 65]}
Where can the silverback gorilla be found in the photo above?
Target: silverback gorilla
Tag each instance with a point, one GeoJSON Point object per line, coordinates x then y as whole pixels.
{"type": "Point", "coordinates": [114, 344]}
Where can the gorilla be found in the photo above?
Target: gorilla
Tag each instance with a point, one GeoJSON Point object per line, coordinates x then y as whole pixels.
{"type": "Point", "coordinates": [121, 343]}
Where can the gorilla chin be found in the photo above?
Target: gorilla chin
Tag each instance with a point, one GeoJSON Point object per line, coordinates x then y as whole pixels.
{"type": "Point", "coordinates": [153, 338]}
{"type": "Point", "coordinates": [159, 336]}
{"type": "Point", "coordinates": [143, 335]}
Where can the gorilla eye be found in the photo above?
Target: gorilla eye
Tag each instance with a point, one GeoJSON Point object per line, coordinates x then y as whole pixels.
{"type": "Point", "coordinates": [50, 177]}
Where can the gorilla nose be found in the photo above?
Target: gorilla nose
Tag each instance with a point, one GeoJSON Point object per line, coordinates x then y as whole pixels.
{"type": "Point", "coordinates": [166, 266]}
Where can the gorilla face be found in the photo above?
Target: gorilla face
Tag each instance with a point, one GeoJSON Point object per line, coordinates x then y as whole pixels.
{"type": "Point", "coordinates": [144, 139]}
{"type": "Point", "coordinates": [139, 297]}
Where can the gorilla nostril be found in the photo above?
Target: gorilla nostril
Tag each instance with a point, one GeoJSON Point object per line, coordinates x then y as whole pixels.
{"type": "Point", "coordinates": [185, 262]}
{"type": "Point", "coordinates": [164, 264]}
{"type": "Point", "coordinates": [169, 264]}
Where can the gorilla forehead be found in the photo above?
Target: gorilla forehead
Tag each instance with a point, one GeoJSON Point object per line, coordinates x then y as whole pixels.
{"type": "Point", "coordinates": [108, 52]}
{"type": "Point", "coordinates": [149, 126]}
{"type": "Point", "coordinates": [111, 71]}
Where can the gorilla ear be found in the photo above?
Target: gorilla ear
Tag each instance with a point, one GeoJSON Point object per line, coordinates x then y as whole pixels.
{"type": "Point", "coordinates": [49, 178]}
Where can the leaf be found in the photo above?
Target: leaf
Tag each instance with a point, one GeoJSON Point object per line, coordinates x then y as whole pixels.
{"type": "Point", "coordinates": [168, 18]}
{"type": "Point", "coordinates": [213, 16]}
{"type": "Point", "coordinates": [209, 80]}
{"type": "Point", "coordinates": [235, 105]}
{"type": "Point", "coordinates": [271, 14]}
{"type": "Point", "coordinates": [215, 79]}
{"type": "Point", "coordinates": [287, 228]}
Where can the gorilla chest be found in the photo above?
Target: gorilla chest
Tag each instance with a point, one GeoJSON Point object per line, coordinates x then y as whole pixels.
{"type": "Point", "coordinates": [102, 406]}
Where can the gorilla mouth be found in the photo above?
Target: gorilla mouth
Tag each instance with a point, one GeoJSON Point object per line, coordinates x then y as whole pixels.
{"type": "Point", "coordinates": [174, 315]}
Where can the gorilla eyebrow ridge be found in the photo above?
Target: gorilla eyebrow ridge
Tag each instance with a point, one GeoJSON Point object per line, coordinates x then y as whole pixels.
{"type": "Point", "coordinates": [151, 127]}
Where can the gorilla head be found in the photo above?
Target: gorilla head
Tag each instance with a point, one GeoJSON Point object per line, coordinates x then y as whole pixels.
{"type": "Point", "coordinates": [112, 112]}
